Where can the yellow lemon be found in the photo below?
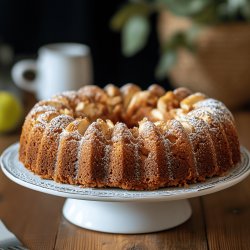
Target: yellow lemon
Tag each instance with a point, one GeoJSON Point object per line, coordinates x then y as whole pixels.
{"type": "Point", "coordinates": [11, 112]}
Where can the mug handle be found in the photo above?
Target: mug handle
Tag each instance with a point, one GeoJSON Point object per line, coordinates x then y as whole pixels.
{"type": "Point", "coordinates": [20, 74]}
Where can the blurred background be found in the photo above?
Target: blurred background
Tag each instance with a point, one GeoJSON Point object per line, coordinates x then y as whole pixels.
{"type": "Point", "coordinates": [27, 25]}
{"type": "Point", "coordinates": [203, 45]}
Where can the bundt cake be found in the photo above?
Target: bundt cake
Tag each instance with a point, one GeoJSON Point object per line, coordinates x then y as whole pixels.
{"type": "Point", "coordinates": [129, 138]}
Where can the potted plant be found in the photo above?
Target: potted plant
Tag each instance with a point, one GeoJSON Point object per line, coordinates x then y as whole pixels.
{"type": "Point", "coordinates": [204, 45]}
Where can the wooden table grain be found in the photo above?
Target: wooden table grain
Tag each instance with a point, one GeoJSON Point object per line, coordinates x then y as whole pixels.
{"type": "Point", "coordinates": [219, 221]}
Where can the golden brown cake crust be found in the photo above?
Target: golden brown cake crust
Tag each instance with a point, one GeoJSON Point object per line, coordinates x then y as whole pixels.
{"type": "Point", "coordinates": [129, 138]}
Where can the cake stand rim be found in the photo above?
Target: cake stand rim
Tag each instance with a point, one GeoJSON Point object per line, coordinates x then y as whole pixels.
{"type": "Point", "coordinates": [119, 195]}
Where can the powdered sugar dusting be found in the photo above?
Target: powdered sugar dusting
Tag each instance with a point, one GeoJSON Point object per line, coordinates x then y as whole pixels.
{"type": "Point", "coordinates": [80, 143]}
{"type": "Point", "coordinates": [60, 121]}
{"type": "Point", "coordinates": [106, 158]}
{"type": "Point", "coordinates": [41, 109]}
{"type": "Point", "coordinates": [169, 157]}
{"type": "Point", "coordinates": [201, 134]}
{"type": "Point", "coordinates": [93, 131]}
{"type": "Point", "coordinates": [120, 132]}
{"type": "Point", "coordinates": [45, 117]}
{"type": "Point", "coordinates": [216, 107]}
{"type": "Point", "coordinates": [203, 114]}
{"type": "Point", "coordinates": [75, 135]}
{"type": "Point", "coordinates": [71, 94]}
{"type": "Point", "coordinates": [146, 128]}
{"type": "Point", "coordinates": [184, 124]}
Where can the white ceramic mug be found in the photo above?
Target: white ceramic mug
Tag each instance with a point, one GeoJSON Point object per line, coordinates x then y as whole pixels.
{"type": "Point", "coordinates": [59, 67]}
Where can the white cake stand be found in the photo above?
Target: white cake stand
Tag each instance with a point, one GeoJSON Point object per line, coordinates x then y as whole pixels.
{"type": "Point", "coordinates": [121, 211]}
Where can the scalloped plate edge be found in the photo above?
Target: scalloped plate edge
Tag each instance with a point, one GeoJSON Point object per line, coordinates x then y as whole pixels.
{"type": "Point", "coordinates": [10, 163]}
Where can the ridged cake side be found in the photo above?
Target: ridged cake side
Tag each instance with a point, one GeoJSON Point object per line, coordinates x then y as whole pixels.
{"type": "Point", "coordinates": [129, 138]}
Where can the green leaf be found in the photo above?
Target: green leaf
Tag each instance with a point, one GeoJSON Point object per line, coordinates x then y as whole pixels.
{"type": "Point", "coordinates": [166, 62]}
{"type": "Point", "coordinates": [208, 16]}
{"type": "Point", "coordinates": [179, 39]}
{"type": "Point", "coordinates": [125, 13]}
{"type": "Point", "coordinates": [245, 10]}
{"type": "Point", "coordinates": [170, 48]}
{"type": "Point", "coordinates": [191, 36]}
{"type": "Point", "coordinates": [185, 7]}
{"type": "Point", "coordinates": [134, 35]}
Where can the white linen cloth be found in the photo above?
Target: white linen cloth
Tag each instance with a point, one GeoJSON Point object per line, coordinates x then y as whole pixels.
{"type": "Point", "coordinates": [7, 238]}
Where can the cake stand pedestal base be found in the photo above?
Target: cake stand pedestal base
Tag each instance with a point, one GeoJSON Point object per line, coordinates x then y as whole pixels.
{"type": "Point", "coordinates": [127, 217]}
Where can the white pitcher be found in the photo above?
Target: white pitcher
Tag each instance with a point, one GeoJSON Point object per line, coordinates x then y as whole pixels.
{"type": "Point", "coordinates": [59, 67]}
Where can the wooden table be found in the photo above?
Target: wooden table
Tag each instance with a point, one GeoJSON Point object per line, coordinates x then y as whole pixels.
{"type": "Point", "coordinates": [219, 221]}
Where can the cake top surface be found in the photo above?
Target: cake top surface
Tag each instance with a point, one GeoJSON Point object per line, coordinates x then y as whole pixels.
{"type": "Point", "coordinates": [128, 110]}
